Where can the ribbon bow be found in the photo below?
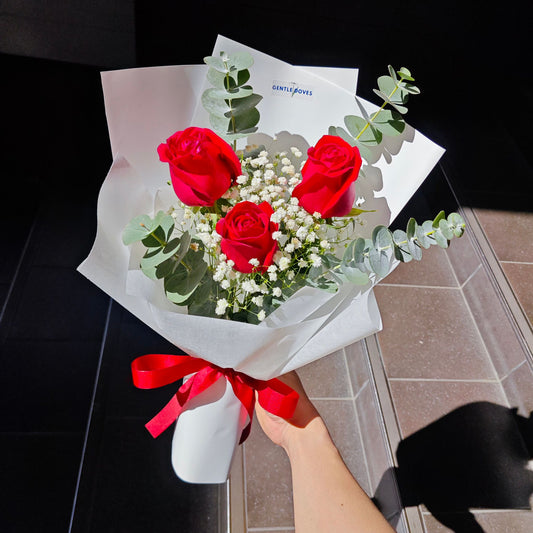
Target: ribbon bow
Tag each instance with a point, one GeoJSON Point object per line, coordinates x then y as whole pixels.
{"type": "Point", "coordinates": [156, 370]}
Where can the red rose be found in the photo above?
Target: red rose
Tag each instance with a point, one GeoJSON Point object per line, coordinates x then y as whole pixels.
{"type": "Point", "coordinates": [328, 178]}
{"type": "Point", "coordinates": [246, 233]}
{"type": "Point", "coordinates": [202, 165]}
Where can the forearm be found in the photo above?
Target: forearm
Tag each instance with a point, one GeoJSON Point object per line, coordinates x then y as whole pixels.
{"type": "Point", "coordinates": [326, 496]}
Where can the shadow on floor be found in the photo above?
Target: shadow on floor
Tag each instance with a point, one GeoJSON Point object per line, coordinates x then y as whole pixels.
{"type": "Point", "coordinates": [474, 457]}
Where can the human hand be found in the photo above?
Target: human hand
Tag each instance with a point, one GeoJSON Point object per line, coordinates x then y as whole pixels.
{"type": "Point", "coordinates": [284, 432]}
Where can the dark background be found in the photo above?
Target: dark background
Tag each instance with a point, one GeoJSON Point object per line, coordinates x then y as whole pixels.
{"type": "Point", "coordinates": [60, 337]}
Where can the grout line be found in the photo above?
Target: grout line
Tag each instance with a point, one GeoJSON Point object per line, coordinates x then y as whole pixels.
{"type": "Point", "coordinates": [348, 374]}
{"type": "Point", "coordinates": [524, 362]}
{"type": "Point", "coordinates": [362, 446]}
{"type": "Point", "coordinates": [410, 286]}
{"type": "Point", "coordinates": [17, 270]}
{"type": "Point", "coordinates": [517, 262]}
{"type": "Point", "coordinates": [495, 381]}
{"type": "Point", "coordinates": [327, 398]}
{"type": "Point", "coordinates": [470, 277]}
{"type": "Point", "coordinates": [97, 376]}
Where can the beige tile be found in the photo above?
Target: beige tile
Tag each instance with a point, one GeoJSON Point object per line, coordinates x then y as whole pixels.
{"type": "Point", "coordinates": [433, 269]}
{"type": "Point", "coordinates": [268, 482]}
{"type": "Point", "coordinates": [518, 387]}
{"type": "Point", "coordinates": [326, 377]}
{"type": "Point", "coordinates": [463, 257]}
{"type": "Point", "coordinates": [418, 403]}
{"type": "Point", "coordinates": [504, 229]}
{"type": "Point", "coordinates": [340, 419]}
{"type": "Point", "coordinates": [493, 323]}
{"type": "Point", "coordinates": [373, 438]}
{"type": "Point", "coordinates": [520, 277]}
{"type": "Point", "coordinates": [491, 522]}
{"type": "Point", "coordinates": [358, 371]}
{"type": "Point", "coordinates": [429, 333]}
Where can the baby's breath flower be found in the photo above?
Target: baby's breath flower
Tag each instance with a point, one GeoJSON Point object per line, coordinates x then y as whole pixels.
{"type": "Point", "coordinates": [241, 180]}
{"type": "Point", "coordinates": [254, 262]}
{"type": "Point", "coordinates": [290, 275]}
{"type": "Point", "coordinates": [302, 263]}
{"type": "Point", "coordinates": [289, 248]}
{"type": "Point", "coordinates": [222, 305]}
{"type": "Point", "coordinates": [261, 315]}
{"type": "Point", "coordinates": [316, 214]}
{"type": "Point", "coordinates": [258, 300]}
{"type": "Point", "coordinates": [225, 284]}
{"type": "Point", "coordinates": [324, 244]}
{"type": "Point", "coordinates": [284, 263]}
{"type": "Point", "coordinates": [276, 291]}
{"type": "Point", "coordinates": [316, 260]}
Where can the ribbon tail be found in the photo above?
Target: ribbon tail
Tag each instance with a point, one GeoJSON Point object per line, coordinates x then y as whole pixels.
{"type": "Point", "coordinates": [165, 417]}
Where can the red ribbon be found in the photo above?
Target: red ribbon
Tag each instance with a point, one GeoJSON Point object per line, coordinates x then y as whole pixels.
{"type": "Point", "coordinates": [156, 370]}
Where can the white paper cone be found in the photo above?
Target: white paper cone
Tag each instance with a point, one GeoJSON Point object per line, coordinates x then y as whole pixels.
{"type": "Point", "coordinates": [207, 434]}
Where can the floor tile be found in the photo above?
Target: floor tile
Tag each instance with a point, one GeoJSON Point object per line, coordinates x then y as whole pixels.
{"type": "Point", "coordinates": [58, 304]}
{"type": "Point", "coordinates": [39, 480]}
{"type": "Point", "coordinates": [418, 403]}
{"type": "Point", "coordinates": [504, 229]}
{"type": "Point", "coordinates": [518, 387]}
{"type": "Point", "coordinates": [340, 419]}
{"type": "Point", "coordinates": [433, 269]}
{"type": "Point", "coordinates": [463, 257]}
{"type": "Point", "coordinates": [268, 482]}
{"type": "Point", "coordinates": [373, 440]}
{"type": "Point", "coordinates": [429, 333]}
{"type": "Point", "coordinates": [498, 334]}
{"type": "Point", "coordinates": [132, 487]}
{"type": "Point", "coordinates": [520, 277]}
{"type": "Point", "coordinates": [47, 386]}
{"type": "Point", "coordinates": [356, 359]}
{"type": "Point", "coordinates": [326, 377]}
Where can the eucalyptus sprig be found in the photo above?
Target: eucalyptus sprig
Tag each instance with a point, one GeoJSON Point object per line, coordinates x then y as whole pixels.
{"type": "Point", "coordinates": [364, 257]}
{"type": "Point", "coordinates": [368, 130]}
{"type": "Point", "coordinates": [231, 103]}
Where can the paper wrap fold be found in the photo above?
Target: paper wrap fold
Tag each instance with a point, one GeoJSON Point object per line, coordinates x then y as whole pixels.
{"type": "Point", "coordinates": [144, 107]}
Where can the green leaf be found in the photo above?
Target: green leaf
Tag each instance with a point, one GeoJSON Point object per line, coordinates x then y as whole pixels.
{"type": "Point", "coordinates": [138, 228]}
{"type": "Point", "coordinates": [411, 89]}
{"type": "Point", "coordinates": [216, 78]}
{"type": "Point", "coordinates": [446, 229]}
{"type": "Point", "coordinates": [389, 122]}
{"type": "Point", "coordinates": [216, 63]}
{"type": "Point", "coordinates": [379, 262]}
{"type": "Point", "coordinates": [411, 229]}
{"type": "Point", "coordinates": [405, 74]}
{"type": "Point", "coordinates": [437, 219]}
{"type": "Point", "coordinates": [187, 276]}
{"type": "Point", "coordinates": [355, 211]}
{"type": "Point", "coordinates": [354, 253]}
{"type": "Point", "coordinates": [238, 92]}
{"type": "Point", "coordinates": [244, 104]}
{"type": "Point", "coordinates": [357, 127]}
{"type": "Point", "coordinates": [241, 60]}
{"type": "Point", "coordinates": [354, 275]}
{"type": "Point", "coordinates": [220, 124]}
{"type": "Point", "coordinates": [154, 257]}
{"type": "Point", "coordinates": [392, 72]}
{"type": "Point", "coordinates": [245, 121]}
{"type": "Point", "coordinates": [414, 249]}
{"type": "Point", "coordinates": [213, 104]}
{"type": "Point", "coordinates": [421, 237]}
{"type": "Point", "coordinates": [440, 239]}
{"type": "Point", "coordinates": [457, 224]}
{"type": "Point", "coordinates": [401, 248]}
{"type": "Point", "coordinates": [381, 237]}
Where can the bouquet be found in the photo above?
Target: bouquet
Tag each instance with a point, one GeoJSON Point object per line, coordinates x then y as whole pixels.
{"type": "Point", "coordinates": [254, 260]}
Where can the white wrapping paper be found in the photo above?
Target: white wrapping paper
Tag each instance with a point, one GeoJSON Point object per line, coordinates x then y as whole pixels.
{"type": "Point", "coordinates": [144, 107]}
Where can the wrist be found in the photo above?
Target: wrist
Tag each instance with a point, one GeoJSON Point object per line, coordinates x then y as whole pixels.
{"type": "Point", "coordinates": [303, 439]}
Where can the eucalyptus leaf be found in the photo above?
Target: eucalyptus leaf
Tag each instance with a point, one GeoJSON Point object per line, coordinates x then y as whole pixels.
{"type": "Point", "coordinates": [213, 104]}
{"type": "Point", "coordinates": [414, 249]}
{"type": "Point", "coordinates": [440, 239]}
{"type": "Point", "coordinates": [242, 105]}
{"type": "Point", "coordinates": [138, 228]}
{"type": "Point", "coordinates": [446, 229]}
{"type": "Point", "coordinates": [392, 73]}
{"type": "Point", "coordinates": [438, 218]}
{"type": "Point", "coordinates": [241, 60]}
{"type": "Point", "coordinates": [379, 262]}
{"type": "Point", "coordinates": [238, 92]}
{"type": "Point", "coordinates": [354, 275]}
{"type": "Point", "coordinates": [389, 122]}
{"type": "Point", "coordinates": [381, 237]}
{"type": "Point", "coordinates": [421, 237]}
{"type": "Point", "coordinates": [216, 78]}
{"type": "Point", "coordinates": [216, 63]}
